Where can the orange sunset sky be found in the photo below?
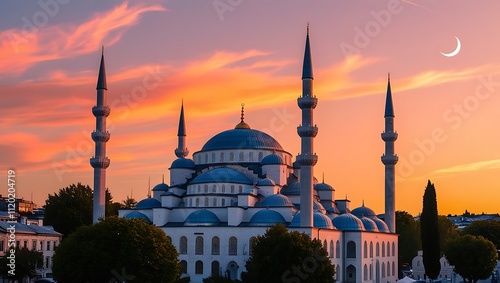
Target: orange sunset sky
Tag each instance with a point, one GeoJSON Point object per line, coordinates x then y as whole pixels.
{"type": "Point", "coordinates": [215, 55]}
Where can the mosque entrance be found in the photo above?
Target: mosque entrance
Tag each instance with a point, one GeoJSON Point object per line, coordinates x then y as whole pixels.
{"type": "Point", "coordinates": [232, 270]}
{"type": "Point", "coordinates": [350, 274]}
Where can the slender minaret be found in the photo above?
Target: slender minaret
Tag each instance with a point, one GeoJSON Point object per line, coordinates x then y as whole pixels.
{"type": "Point", "coordinates": [181, 151]}
{"type": "Point", "coordinates": [100, 136]}
{"type": "Point", "coordinates": [307, 131]}
{"type": "Point", "coordinates": [389, 159]}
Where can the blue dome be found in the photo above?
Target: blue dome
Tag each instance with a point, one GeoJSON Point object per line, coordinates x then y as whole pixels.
{"type": "Point", "coordinates": [242, 138]}
{"type": "Point", "coordinates": [265, 182]}
{"type": "Point", "coordinates": [382, 227]}
{"type": "Point", "coordinates": [369, 224]}
{"type": "Point", "coordinates": [275, 200]}
{"type": "Point", "coordinates": [185, 163]}
{"type": "Point", "coordinates": [348, 222]}
{"type": "Point", "coordinates": [292, 189]}
{"type": "Point", "coordinates": [323, 187]}
{"type": "Point", "coordinates": [320, 221]}
{"type": "Point", "coordinates": [317, 206]}
{"type": "Point", "coordinates": [222, 175]}
{"type": "Point", "coordinates": [363, 211]}
{"type": "Point", "coordinates": [148, 203]}
{"type": "Point", "coordinates": [272, 159]}
{"type": "Point", "coordinates": [202, 218]}
{"type": "Point", "coordinates": [266, 218]}
{"type": "Point", "coordinates": [160, 187]}
{"type": "Point", "coordinates": [137, 215]}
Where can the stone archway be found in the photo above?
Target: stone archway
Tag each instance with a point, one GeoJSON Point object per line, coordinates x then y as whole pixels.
{"type": "Point", "coordinates": [350, 273]}
{"type": "Point", "coordinates": [232, 270]}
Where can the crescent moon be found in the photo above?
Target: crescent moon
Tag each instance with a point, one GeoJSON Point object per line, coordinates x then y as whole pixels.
{"type": "Point", "coordinates": [455, 52]}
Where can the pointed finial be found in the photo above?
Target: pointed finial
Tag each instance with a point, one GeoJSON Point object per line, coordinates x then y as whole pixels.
{"type": "Point", "coordinates": [242, 124]}
{"type": "Point", "coordinates": [307, 28]}
{"type": "Point", "coordinates": [323, 178]}
{"type": "Point", "coordinates": [389, 76]}
{"type": "Point", "coordinates": [363, 203]}
{"type": "Point", "coordinates": [242, 112]}
{"type": "Point", "coordinates": [149, 187]}
{"type": "Point", "coordinates": [163, 178]}
{"type": "Point", "coordinates": [101, 79]}
{"type": "Point", "coordinates": [389, 108]}
{"type": "Point", "coordinates": [102, 50]}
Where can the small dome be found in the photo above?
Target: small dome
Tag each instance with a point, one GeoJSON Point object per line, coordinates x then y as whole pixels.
{"type": "Point", "coordinates": [265, 182]}
{"type": "Point", "coordinates": [317, 206]}
{"type": "Point", "coordinates": [369, 224]}
{"type": "Point", "coordinates": [160, 187]}
{"type": "Point", "coordinates": [266, 217]}
{"type": "Point", "coordinates": [183, 163]}
{"type": "Point", "coordinates": [148, 203]}
{"type": "Point", "coordinates": [323, 187]}
{"type": "Point", "coordinates": [382, 227]}
{"type": "Point", "coordinates": [320, 221]}
{"type": "Point", "coordinates": [363, 211]}
{"type": "Point", "coordinates": [272, 159]}
{"type": "Point", "coordinates": [137, 215]}
{"type": "Point", "coordinates": [202, 218]}
{"type": "Point", "coordinates": [277, 200]}
{"type": "Point", "coordinates": [222, 175]}
{"type": "Point", "coordinates": [292, 189]}
{"type": "Point", "coordinates": [348, 222]}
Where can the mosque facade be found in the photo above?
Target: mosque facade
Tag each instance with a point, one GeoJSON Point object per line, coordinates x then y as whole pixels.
{"type": "Point", "coordinates": [242, 181]}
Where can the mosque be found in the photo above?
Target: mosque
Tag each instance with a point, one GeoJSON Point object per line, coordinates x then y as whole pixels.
{"type": "Point", "coordinates": [242, 181]}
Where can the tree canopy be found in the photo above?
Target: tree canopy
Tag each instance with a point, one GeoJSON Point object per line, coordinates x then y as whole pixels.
{"type": "Point", "coordinates": [474, 257]}
{"type": "Point", "coordinates": [71, 208]}
{"type": "Point", "coordinates": [116, 249]}
{"type": "Point", "coordinates": [489, 229]}
{"type": "Point", "coordinates": [409, 237]}
{"type": "Point", "coordinates": [429, 233]}
{"type": "Point", "coordinates": [27, 264]}
{"type": "Point", "coordinates": [289, 257]}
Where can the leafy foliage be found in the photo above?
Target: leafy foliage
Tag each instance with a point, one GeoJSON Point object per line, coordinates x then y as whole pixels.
{"type": "Point", "coordinates": [474, 257]}
{"type": "Point", "coordinates": [429, 233]}
{"type": "Point", "coordinates": [283, 256]}
{"type": "Point", "coordinates": [409, 241]}
{"type": "Point", "coordinates": [27, 263]}
{"type": "Point", "coordinates": [117, 248]}
{"type": "Point", "coordinates": [219, 279]}
{"type": "Point", "coordinates": [489, 229]}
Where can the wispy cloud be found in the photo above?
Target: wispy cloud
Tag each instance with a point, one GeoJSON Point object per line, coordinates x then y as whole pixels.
{"type": "Point", "coordinates": [480, 165]}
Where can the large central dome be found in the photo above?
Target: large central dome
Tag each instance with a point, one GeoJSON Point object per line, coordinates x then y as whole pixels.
{"type": "Point", "coordinates": [242, 138]}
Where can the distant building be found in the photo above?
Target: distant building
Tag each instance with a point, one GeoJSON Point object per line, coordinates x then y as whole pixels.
{"type": "Point", "coordinates": [22, 206]}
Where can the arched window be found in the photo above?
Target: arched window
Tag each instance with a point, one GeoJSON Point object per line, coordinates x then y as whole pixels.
{"type": "Point", "coordinates": [261, 155]}
{"type": "Point", "coordinates": [168, 237]}
{"type": "Point", "coordinates": [223, 202]}
{"type": "Point", "coordinates": [331, 249]}
{"type": "Point", "coordinates": [351, 249]}
{"type": "Point", "coordinates": [190, 202]}
{"type": "Point", "coordinates": [215, 246]}
{"type": "Point", "coordinates": [371, 249]}
{"type": "Point", "coordinates": [199, 189]}
{"type": "Point", "coordinates": [393, 269]}
{"type": "Point", "coordinates": [199, 245]}
{"type": "Point", "coordinates": [231, 156]}
{"type": "Point", "coordinates": [240, 189]}
{"type": "Point", "coordinates": [418, 262]}
{"type": "Point", "coordinates": [184, 266]}
{"type": "Point", "coordinates": [198, 267]}
{"type": "Point", "coordinates": [325, 246]}
{"type": "Point", "coordinates": [337, 273]}
{"type": "Point", "coordinates": [383, 249]}
{"type": "Point", "coordinates": [242, 156]}
{"type": "Point", "coordinates": [388, 249]}
{"type": "Point", "coordinates": [250, 156]}
{"type": "Point", "coordinates": [232, 189]}
{"type": "Point", "coordinates": [233, 246]}
{"type": "Point", "coordinates": [213, 156]}
{"type": "Point", "coordinates": [251, 243]}
{"type": "Point", "coordinates": [365, 272]}
{"type": "Point", "coordinates": [388, 269]}
{"type": "Point", "coordinates": [383, 269]}
{"type": "Point", "coordinates": [205, 188]}
{"type": "Point", "coordinates": [371, 271]}
{"type": "Point", "coordinates": [215, 268]}
{"type": "Point", "coordinates": [206, 202]}
{"type": "Point", "coordinates": [337, 249]}
{"type": "Point", "coordinates": [221, 156]}
{"type": "Point", "coordinates": [393, 250]}
{"type": "Point", "coordinates": [223, 188]}
{"type": "Point", "coordinates": [365, 250]}
{"type": "Point", "coordinates": [183, 245]}
{"type": "Point", "coordinates": [206, 158]}
{"type": "Point", "coordinates": [214, 203]}
{"type": "Point", "coordinates": [214, 188]}
{"type": "Point", "coordinates": [197, 202]}
{"type": "Point", "coordinates": [377, 250]}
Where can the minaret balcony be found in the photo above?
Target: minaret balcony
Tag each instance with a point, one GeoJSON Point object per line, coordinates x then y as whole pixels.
{"type": "Point", "coordinates": [307, 131]}
{"type": "Point", "coordinates": [307, 102]}
{"type": "Point", "coordinates": [389, 159]}
{"type": "Point", "coordinates": [100, 136]}
{"type": "Point", "coordinates": [389, 136]}
{"type": "Point", "coordinates": [99, 162]}
{"type": "Point", "coordinates": [308, 159]}
{"type": "Point", "coordinates": [100, 111]}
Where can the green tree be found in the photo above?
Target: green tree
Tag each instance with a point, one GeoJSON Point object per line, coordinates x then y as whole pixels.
{"type": "Point", "coordinates": [129, 202]}
{"type": "Point", "coordinates": [489, 229]}
{"type": "Point", "coordinates": [283, 256]}
{"type": "Point", "coordinates": [71, 208]}
{"type": "Point", "coordinates": [447, 230]}
{"type": "Point", "coordinates": [117, 249]}
{"type": "Point", "coordinates": [27, 264]}
{"type": "Point", "coordinates": [429, 233]}
{"type": "Point", "coordinates": [409, 237]}
{"type": "Point", "coordinates": [219, 279]}
{"type": "Point", "coordinates": [474, 257]}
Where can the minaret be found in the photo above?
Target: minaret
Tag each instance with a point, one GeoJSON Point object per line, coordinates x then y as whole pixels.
{"type": "Point", "coordinates": [181, 151]}
{"type": "Point", "coordinates": [389, 159]}
{"type": "Point", "coordinates": [307, 131]}
{"type": "Point", "coordinates": [100, 136]}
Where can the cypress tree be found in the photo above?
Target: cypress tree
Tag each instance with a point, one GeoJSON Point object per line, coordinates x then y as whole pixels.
{"type": "Point", "coordinates": [429, 233]}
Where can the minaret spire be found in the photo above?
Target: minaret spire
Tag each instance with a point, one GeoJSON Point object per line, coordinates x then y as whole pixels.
{"type": "Point", "coordinates": [389, 158]}
{"type": "Point", "coordinates": [307, 131]}
{"type": "Point", "coordinates": [181, 151]}
{"type": "Point", "coordinates": [100, 136]}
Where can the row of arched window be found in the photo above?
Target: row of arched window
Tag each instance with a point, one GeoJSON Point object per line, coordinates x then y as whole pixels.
{"type": "Point", "coordinates": [333, 249]}
{"type": "Point", "coordinates": [386, 270]}
{"type": "Point", "coordinates": [351, 249]}
{"type": "Point", "coordinates": [215, 248]}
{"type": "Point", "coordinates": [221, 157]}
{"type": "Point", "coordinates": [198, 267]}
{"type": "Point", "coordinates": [214, 189]}
{"type": "Point", "coordinates": [386, 249]}
{"type": "Point", "coordinates": [211, 202]}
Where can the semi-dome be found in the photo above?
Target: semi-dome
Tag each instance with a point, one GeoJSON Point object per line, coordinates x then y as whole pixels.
{"type": "Point", "coordinates": [381, 225]}
{"type": "Point", "coordinates": [266, 217]}
{"type": "Point", "coordinates": [369, 224]}
{"type": "Point", "coordinates": [202, 218]}
{"type": "Point", "coordinates": [265, 182]}
{"type": "Point", "coordinates": [148, 203]}
{"type": "Point", "coordinates": [242, 138]}
{"type": "Point", "coordinates": [323, 187]}
{"type": "Point", "coordinates": [363, 211]}
{"type": "Point", "coordinates": [293, 189]}
{"type": "Point", "coordinates": [275, 201]}
{"type": "Point", "coordinates": [137, 215]}
{"type": "Point", "coordinates": [348, 222]}
{"type": "Point", "coordinates": [320, 221]}
{"type": "Point", "coordinates": [272, 159]}
{"type": "Point", "coordinates": [160, 187]}
{"type": "Point", "coordinates": [183, 163]}
{"type": "Point", "coordinates": [222, 175]}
